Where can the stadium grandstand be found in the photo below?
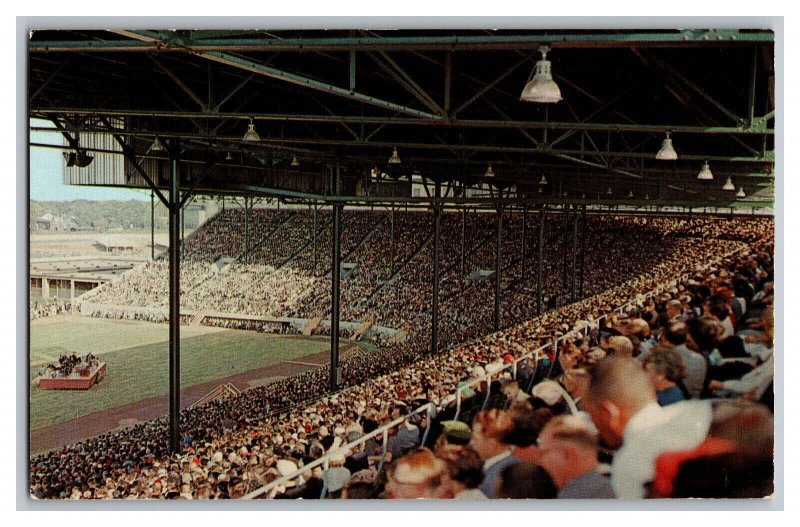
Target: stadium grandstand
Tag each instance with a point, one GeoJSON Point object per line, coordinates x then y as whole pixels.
{"type": "Point", "coordinates": [547, 295]}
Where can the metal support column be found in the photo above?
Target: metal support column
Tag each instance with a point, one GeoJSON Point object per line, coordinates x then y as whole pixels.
{"type": "Point", "coordinates": [565, 253]}
{"type": "Point", "coordinates": [152, 225]}
{"type": "Point", "coordinates": [584, 235]}
{"type": "Point", "coordinates": [391, 264]}
{"type": "Point", "coordinates": [437, 227]}
{"type": "Point", "coordinates": [574, 257]}
{"type": "Point", "coordinates": [497, 267]}
{"type": "Point", "coordinates": [174, 304]}
{"type": "Point", "coordinates": [539, 250]}
{"type": "Point", "coordinates": [183, 231]}
{"type": "Point", "coordinates": [463, 239]}
{"type": "Point", "coordinates": [524, 270]}
{"type": "Point", "coordinates": [314, 235]}
{"type": "Point", "coordinates": [246, 232]}
{"type": "Point", "coordinates": [336, 275]}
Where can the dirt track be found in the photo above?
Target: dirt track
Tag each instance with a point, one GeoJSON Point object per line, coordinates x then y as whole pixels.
{"type": "Point", "coordinates": [91, 425]}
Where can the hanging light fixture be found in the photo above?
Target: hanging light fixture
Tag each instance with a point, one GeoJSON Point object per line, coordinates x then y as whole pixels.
{"type": "Point", "coordinates": [583, 195]}
{"type": "Point", "coordinates": [540, 190]}
{"type": "Point", "coordinates": [229, 157]}
{"type": "Point", "coordinates": [647, 197]}
{"type": "Point", "coordinates": [157, 146]}
{"type": "Point", "coordinates": [295, 162]}
{"type": "Point", "coordinates": [741, 193]}
{"type": "Point", "coordinates": [667, 152]}
{"type": "Point", "coordinates": [251, 136]}
{"type": "Point", "coordinates": [564, 194]}
{"type": "Point", "coordinates": [395, 159]}
{"type": "Point", "coordinates": [630, 194]}
{"type": "Point", "coordinates": [728, 185]}
{"type": "Point", "coordinates": [705, 173]}
{"type": "Point", "coordinates": [543, 180]}
{"type": "Point", "coordinates": [608, 192]}
{"type": "Point", "coordinates": [489, 171]}
{"type": "Point", "coordinates": [541, 87]}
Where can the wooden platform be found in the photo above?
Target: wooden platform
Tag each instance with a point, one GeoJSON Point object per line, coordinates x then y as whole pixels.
{"type": "Point", "coordinates": [73, 383]}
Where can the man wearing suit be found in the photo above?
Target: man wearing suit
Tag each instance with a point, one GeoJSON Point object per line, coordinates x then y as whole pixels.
{"type": "Point", "coordinates": [488, 431]}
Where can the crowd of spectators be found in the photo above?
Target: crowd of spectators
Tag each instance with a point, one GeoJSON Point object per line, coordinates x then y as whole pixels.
{"type": "Point", "coordinates": [51, 307]}
{"type": "Point", "coordinates": [621, 442]}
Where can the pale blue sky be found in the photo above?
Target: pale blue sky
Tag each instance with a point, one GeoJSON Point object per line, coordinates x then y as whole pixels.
{"type": "Point", "coordinates": [47, 180]}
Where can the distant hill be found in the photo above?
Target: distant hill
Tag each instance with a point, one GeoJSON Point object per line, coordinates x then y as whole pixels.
{"type": "Point", "coordinates": [102, 215]}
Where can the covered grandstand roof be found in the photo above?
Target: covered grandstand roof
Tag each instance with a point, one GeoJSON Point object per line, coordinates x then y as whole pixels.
{"type": "Point", "coordinates": [447, 100]}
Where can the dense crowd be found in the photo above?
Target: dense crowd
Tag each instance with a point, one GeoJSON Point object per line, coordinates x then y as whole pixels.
{"type": "Point", "coordinates": [51, 307]}
{"type": "Point", "coordinates": [517, 449]}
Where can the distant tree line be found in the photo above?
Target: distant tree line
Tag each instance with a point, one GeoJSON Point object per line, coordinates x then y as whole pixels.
{"type": "Point", "coordinates": [101, 215]}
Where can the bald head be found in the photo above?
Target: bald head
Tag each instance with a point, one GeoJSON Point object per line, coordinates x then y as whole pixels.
{"type": "Point", "coordinates": [619, 389]}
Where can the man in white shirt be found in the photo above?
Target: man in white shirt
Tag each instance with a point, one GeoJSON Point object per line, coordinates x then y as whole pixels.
{"type": "Point", "coordinates": [623, 406]}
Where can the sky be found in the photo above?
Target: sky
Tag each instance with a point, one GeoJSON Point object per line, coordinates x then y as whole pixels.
{"type": "Point", "coordinates": [47, 180]}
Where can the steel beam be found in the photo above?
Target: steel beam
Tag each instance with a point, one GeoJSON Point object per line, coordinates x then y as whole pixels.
{"type": "Point", "coordinates": [574, 256]}
{"type": "Point", "coordinates": [392, 243]}
{"type": "Point", "coordinates": [182, 85]}
{"type": "Point", "coordinates": [423, 120]}
{"type": "Point", "coordinates": [463, 239]}
{"type": "Point", "coordinates": [146, 41]}
{"type": "Point", "coordinates": [314, 235]}
{"type": "Point", "coordinates": [174, 305]}
{"type": "Point", "coordinates": [299, 80]}
{"type": "Point", "coordinates": [490, 86]}
{"type": "Point", "coordinates": [584, 236]}
{"type": "Point", "coordinates": [246, 240]}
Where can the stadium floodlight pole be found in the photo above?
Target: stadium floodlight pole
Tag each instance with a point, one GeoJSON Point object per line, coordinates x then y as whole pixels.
{"type": "Point", "coordinates": [539, 261]}
{"type": "Point", "coordinates": [497, 266]}
{"type": "Point", "coordinates": [174, 301]}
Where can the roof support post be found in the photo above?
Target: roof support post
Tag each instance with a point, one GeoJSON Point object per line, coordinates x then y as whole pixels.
{"type": "Point", "coordinates": [174, 302]}
{"type": "Point", "coordinates": [584, 235]}
{"type": "Point", "coordinates": [574, 256]}
{"type": "Point", "coordinates": [524, 268]}
{"type": "Point", "coordinates": [498, 266]}
{"type": "Point", "coordinates": [336, 275]}
{"type": "Point", "coordinates": [539, 249]}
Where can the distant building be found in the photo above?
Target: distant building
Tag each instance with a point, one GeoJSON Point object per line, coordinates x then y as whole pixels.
{"type": "Point", "coordinates": [50, 222]}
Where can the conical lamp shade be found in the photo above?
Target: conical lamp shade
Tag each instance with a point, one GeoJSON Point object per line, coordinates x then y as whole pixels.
{"type": "Point", "coordinates": [295, 162]}
{"type": "Point", "coordinates": [395, 159]}
{"type": "Point", "coordinates": [251, 136]}
{"type": "Point", "coordinates": [229, 157]}
{"type": "Point", "coordinates": [630, 194]}
{"type": "Point", "coordinates": [489, 171]}
{"type": "Point", "coordinates": [741, 193]}
{"type": "Point", "coordinates": [705, 173]}
{"type": "Point", "coordinates": [157, 146]}
{"type": "Point", "coordinates": [541, 88]}
{"type": "Point", "coordinates": [728, 185]}
{"type": "Point", "coordinates": [667, 152]}
{"type": "Point", "coordinates": [608, 192]}
{"type": "Point", "coordinates": [543, 181]}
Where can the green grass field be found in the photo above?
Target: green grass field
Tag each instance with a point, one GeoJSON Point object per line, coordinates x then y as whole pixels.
{"type": "Point", "coordinates": [136, 355]}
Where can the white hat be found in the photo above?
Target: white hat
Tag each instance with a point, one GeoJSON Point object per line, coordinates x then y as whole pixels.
{"type": "Point", "coordinates": [335, 478]}
{"type": "Point", "coordinates": [548, 391]}
{"type": "Point", "coordinates": [286, 467]}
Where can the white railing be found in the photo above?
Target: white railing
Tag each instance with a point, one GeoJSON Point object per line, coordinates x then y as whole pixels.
{"type": "Point", "coordinates": [431, 409]}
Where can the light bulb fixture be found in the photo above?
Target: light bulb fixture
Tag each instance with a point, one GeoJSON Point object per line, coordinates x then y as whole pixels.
{"type": "Point", "coordinates": [741, 193]}
{"type": "Point", "coordinates": [564, 194]}
{"type": "Point", "coordinates": [395, 159]}
{"type": "Point", "coordinates": [608, 192]}
{"type": "Point", "coordinates": [705, 173]}
{"type": "Point", "coordinates": [157, 146]}
{"type": "Point", "coordinates": [489, 171]}
{"type": "Point", "coordinates": [647, 197]}
{"type": "Point", "coordinates": [541, 87]}
{"type": "Point", "coordinates": [543, 180]}
{"type": "Point", "coordinates": [728, 185]}
{"type": "Point", "coordinates": [251, 136]}
{"type": "Point", "coordinates": [295, 162]}
{"type": "Point", "coordinates": [540, 190]}
{"type": "Point", "coordinates": [667, 152]}
{"type": "Point", "coordinates": [229, 157]}
{"type": "Point", "coordinates": [630, 194]}
{"type": "Point", "coordinates": [583, 195]}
